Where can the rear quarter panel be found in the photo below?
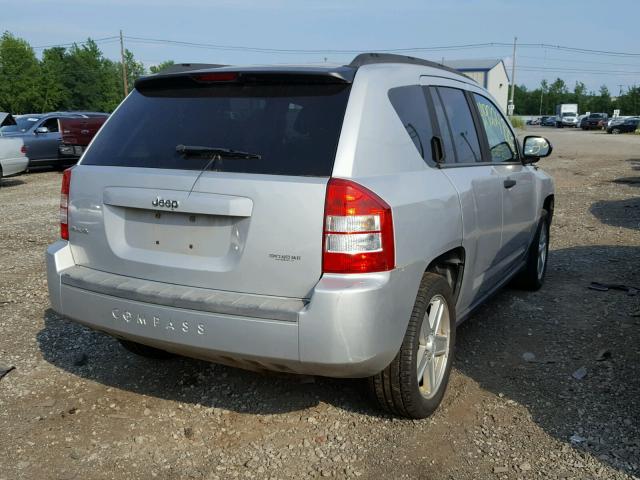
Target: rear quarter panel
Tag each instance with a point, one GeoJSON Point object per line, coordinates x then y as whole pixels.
{"type": "Point", "coordinates": [376, 151]}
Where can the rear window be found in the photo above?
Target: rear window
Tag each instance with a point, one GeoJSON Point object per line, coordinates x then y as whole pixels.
{"type": "Point", "coordinates": [22, 125]}
{"type": "Point", "coordinates": [293, 127]}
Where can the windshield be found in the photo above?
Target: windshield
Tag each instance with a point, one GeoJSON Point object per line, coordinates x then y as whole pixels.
{"type": "Point", "coordinates": [294, 128]}
{"type": "Point", "coordinates": [23, 124]}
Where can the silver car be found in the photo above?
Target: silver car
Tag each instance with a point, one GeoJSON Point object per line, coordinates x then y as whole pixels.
{"type": "Point", "coordinates": [337, 221]}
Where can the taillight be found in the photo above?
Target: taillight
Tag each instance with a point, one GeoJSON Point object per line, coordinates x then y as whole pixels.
{"type": "Point", "coordinates": [64, 204]}
{"type": "Point", "coordinates": [358, 230]}
{"type": "Point", "coordinates": [23, 149]}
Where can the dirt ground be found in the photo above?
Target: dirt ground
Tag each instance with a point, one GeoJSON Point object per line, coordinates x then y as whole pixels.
{"type": "Point", "coordinates": [78, 406]}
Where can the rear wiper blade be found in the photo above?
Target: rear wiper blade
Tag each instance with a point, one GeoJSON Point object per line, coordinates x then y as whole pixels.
{"type": "Point", "coordinates": [215, 152]}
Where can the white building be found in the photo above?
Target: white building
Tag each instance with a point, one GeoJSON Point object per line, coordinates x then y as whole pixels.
{"type": "Point", "coordinates": [490, 73]}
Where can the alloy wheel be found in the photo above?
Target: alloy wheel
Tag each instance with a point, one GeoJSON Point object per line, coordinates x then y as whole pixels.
{"type": "Point", "coordinates": [433, 346]}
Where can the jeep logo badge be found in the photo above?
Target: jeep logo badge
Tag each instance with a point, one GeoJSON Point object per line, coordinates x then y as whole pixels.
{"type": "Point", "coordinates": [161, 202]}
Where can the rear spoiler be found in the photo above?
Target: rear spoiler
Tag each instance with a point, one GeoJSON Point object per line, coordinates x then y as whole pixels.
{"type": "Point", "coordinates": [229, 75]}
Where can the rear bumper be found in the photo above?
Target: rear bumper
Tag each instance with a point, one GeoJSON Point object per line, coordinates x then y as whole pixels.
{"type": "Point", "coordinates": [351, 326]}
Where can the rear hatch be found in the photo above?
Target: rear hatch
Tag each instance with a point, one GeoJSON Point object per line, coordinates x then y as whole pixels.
{"type": "Point", "coordinates": [141, 208]}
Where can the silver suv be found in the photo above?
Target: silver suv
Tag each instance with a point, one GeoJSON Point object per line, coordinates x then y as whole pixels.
{"type": "Point", "coordinates": [336, 221]}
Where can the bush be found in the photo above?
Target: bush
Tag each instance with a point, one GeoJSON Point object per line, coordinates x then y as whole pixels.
{"type": "Point", "coordinates": [517, 122]}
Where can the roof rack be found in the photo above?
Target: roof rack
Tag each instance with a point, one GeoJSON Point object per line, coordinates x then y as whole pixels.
{"type": "Point", "coordinates": [373, 58]}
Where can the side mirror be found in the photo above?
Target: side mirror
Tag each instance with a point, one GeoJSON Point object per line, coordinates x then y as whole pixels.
{"type": "Point", "coordinates": [40, 130]}
{"type": "Point", "coordinates": [536, 148]}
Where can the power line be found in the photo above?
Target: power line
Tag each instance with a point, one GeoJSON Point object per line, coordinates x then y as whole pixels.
{"type": "Point", "coordinates": [577, 70]}
{"type": "Point", "coordinates": [70, 44]}
{"type": "Point", "coordinates": [382, 50]}
{"type": "Point", "coordinates": [573, 60]}
{"type": "Point", "coordinates": [302, 51]}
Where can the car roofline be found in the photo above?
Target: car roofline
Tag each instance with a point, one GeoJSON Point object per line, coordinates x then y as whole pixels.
{"type": "Point", "coordinates": [338, 73]}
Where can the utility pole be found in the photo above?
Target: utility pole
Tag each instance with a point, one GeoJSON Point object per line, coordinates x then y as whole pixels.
{"type": "Point", "coordinates": [511, 106]}
{"type": "Point", "coordinates": [125, 82]}
{"type": "Point", "coordinates": [541, 83]}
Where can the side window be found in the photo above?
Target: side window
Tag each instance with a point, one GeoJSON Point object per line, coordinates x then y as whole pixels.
{"type": "Point", "coordinates": [461, 123]}
{"type": "Point", "coordinates": [51, 124]}
{"type": "Point", "coordinates": [445, 131]}
{"type": "Point", "coordinates": [502, 143]}
{"type": "Point", "coordinates": [411, 106]}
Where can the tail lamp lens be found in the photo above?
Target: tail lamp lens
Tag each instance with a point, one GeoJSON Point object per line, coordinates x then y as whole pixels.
{"type": "Point", "coordinates": [64, 204]}
{"type": "Point", "coordinates": [358, 230]}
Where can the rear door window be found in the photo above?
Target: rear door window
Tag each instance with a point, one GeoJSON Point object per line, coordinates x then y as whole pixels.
{"type": "Point", "coordinates": [461, 123]}
{"type": "Point", "coordinates": [410, 104]}
{"type": "Point", "coordinates": [293, 127]}
{"type": "Point", "coordinates": [502, 143]}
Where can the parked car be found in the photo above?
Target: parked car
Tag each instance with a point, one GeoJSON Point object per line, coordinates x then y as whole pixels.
{"type": "Point", "coordinates": [533, 121]}
{"type": "Point", "coordinates": [77, 133]}
{"type": "Point", "coordinates": [617, 120]}
{"type": "Point", "coordinates": [13, 160]}
{"type": "Point", "coordinates": [40, 136]}
{"type": "Point", "coordinates": [626, 126]}
{"type": "Point", "coordinates": [594, 121]}
{"type": "Point", "coordinates": [548, 121]}
{"type": "Point", "coordinates": [284, 218]}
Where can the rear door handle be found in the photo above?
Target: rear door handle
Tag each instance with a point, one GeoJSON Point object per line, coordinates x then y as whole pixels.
{"type": "Point", "coordinates": [508, 183]}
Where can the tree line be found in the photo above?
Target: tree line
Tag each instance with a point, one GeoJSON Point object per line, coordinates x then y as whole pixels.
{"type": "Point", "coordinates": [74, 78]}
{"type": "Point", "coordinates": [81, 78]}
{"type": "Point", "coordinates": [543, 100]}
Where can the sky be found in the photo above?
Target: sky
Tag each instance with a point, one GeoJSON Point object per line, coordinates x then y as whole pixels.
{"type": "Point", "coordinates": [358, 25]}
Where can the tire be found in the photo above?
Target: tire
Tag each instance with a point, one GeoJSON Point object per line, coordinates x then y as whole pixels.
{"type": "Point", "coordinates": [532, 275]}
{"type": "Point", "coordinates": [615, 131]}
{"type": "Point", "coordinates": [144, 350]}
{"type": "Point", "coordinates": [398, 388]}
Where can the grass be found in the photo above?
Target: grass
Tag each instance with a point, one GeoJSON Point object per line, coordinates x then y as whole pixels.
{"type": "Point", "coordinates": [517, 122]}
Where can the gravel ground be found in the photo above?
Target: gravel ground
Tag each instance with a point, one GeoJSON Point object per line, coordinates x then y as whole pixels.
{"type": "Point", "coordinates": [78, 406]}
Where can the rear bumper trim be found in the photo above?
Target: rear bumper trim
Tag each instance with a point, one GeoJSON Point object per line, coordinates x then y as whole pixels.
{"type": "Point", "coordinates": [178, 296]}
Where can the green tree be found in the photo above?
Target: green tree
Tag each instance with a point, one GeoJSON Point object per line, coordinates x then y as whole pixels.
{"type": "Point", "coordinates": [161, 66]}
{"type": "Point", "coordinates": [19, 76]}
{"type": "Point", "coordinates": [579, 95]}
{"type": "Point", "coordinates": [602, 102]}
{"type": "Point", "coordinates": [91, 79]}
{"type": "Point", "coordinates": [52, 85]}
{"type": "Point", "coordinates": [135, 69]}
{"type": "Point", "coordinates": [629, 102]}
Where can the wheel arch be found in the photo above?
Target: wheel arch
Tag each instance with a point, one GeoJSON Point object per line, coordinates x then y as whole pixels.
{"type": "Point", "coordinates": [548, 205]}
{"type": "Point", "coordinates": [450, 265]}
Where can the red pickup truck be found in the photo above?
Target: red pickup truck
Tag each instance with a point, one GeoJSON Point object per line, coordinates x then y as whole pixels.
{"type": "Point", "coordinates": [77, 134]}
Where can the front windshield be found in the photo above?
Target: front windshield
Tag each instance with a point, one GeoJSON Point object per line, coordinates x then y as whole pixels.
{"type": "Point", "coordinates": [568, 114]}
{"type": "Point", "coordinates": [23, 124]}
